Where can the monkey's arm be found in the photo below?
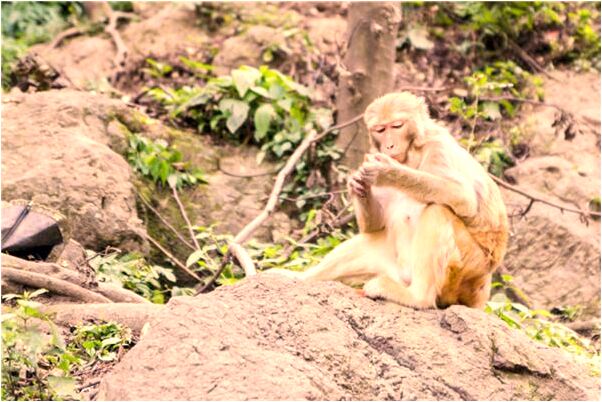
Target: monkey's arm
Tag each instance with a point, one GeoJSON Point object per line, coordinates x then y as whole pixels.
{"type": "Point", "coordinates": [430, 188]}
{"type": "Point", "coordinates": [369, 213]}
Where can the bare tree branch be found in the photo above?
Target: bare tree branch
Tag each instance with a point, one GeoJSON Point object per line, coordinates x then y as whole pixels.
{"type": "Point", "coordinates": [54, 285]}
{"type": "Point", "coordinates": [235, 246]}
{"type": "Point", "coordinates": [165, 222]}
{"type": "Point", "coordinates": [185, 216]}
{"type": "Point", "coordinates": [533, 199]}
{"type": "Point", "coordinates": [171, 257]}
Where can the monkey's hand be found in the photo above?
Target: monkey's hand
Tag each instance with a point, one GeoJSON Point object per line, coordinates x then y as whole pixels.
{"type": "Point", "coordinates": [376, 165]}
{"type": "Point", "coordinates": [357, 186]}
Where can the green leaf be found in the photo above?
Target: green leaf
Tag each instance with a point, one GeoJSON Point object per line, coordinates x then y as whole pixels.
{"type": "Point", "coordinates": [63, 386]}
{"type": "Point", "coordinates": [244, 78]}
{"type": "Point", "coordinates": [491, 110]}
{"type": "Point", "coordinates": [261, 91]}
{"type": "Point", "coordinates": [262, 119]}
{"type": "Point", "coordinates": [237, 113]}
{"type": "Point", "coordinates": [114, 340]}
{"type": "Point", "coordinates": [194, 257]}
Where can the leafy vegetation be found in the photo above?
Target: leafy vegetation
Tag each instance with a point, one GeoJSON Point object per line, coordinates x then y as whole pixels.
{"type": "Point", "coordinates": [100, 342]}
{"type": "Point", "coordinates": [26, 23]}
{"type": "Point", "coordinates": [161, 163]}
{"type": "Point", "coordinates": [539, 324]}
{"type": "Point", "coordinates": [131, 271]}
{"type": "Point", "coordinates": [257, 106]}
{"type": "Point", "coordinates": [553, 31]}
{"type": "Point", "coordinates": [35, 366]}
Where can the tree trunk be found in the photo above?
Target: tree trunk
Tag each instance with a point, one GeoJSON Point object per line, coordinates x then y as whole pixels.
{"type": "Point", "coordinates": [368, 69]}
{"type": "Point", "coordinates": [97, 11]}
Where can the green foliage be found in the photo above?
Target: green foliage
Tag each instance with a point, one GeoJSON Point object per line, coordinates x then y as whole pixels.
{"type": "Point", "coordinates": [498, 80]}
{"type": "Point", "coordinates": [259, 106]}
{"type": "Point", "coordinates": [157, 69]}
{"type": "Point", "coordinates": [536, 325]}
{"type": "Point", "coordinates": [100, 341]}
{"type": "Point", "coordinates": [160, 163]}
{"type": "Point", "coordinates": [208, 258]}
{"type": "Point", "coordinates": [132, 272]}
{"type": "Point", "coordinates": [523, 22]}
{"type": "Point", "coordinates": [492, 155]}
{"type": "Point", "coordinates": [125, 6]}
{"type": "Point", "coordinates": [35, 366]}
{"type": "Point", "coordinates": [26, 23]}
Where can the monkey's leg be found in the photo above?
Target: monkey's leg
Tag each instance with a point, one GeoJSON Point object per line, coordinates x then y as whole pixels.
{"type": "Point", "coordinates": [362, 256]}
{"type": "Point", "coordinates": [433, 249]}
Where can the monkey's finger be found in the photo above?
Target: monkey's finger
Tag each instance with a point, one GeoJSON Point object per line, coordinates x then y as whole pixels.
{"type": "Point", "coordinates": [357, 189]}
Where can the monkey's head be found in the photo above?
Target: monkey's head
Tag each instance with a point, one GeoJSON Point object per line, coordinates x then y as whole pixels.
{"type": "Point", "coordinates": [395, 123]}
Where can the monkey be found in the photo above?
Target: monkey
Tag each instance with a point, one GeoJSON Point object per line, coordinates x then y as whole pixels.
{"type": "Point", "coordinates": [433, 225]}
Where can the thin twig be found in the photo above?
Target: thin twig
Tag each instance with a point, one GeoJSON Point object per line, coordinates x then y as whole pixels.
{"type": "Point", "coordinates": [171, 257]}
{"type": "Point", "coordinates": [225, 260]}
{"type": "Point", "coordinates": [338, 222]}
{"type": "Point", "coordinates": [422, 89]}
{"type": "Point", "coordinates": [165, 222]}
{"type": "Point", "coordinates": [533, 199]}
{"type": "Point", "coordinates": [310, 196]}
{"type": "Point", "coordinates": [272, 202]}
{"type": "Point", "coordinates": [526, 57]}
{"type": "Point", "coordinates": [185, 216]}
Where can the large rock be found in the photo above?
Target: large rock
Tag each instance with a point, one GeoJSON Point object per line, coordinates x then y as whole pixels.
{"type": "Point", "coordinates": [57, 152]}
{"type": "Point", "coordinates": [554, 257]}
{"type": "Point", "coordinates": [274, 339]}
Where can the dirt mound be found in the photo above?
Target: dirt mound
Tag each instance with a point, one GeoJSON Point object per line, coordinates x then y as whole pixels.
{"type": "Point", "coordinates": [57, 152]}
{"type": "Point", "coordinates": [274, 339]}
{"type": "Point", "coordinates": [554, 257]}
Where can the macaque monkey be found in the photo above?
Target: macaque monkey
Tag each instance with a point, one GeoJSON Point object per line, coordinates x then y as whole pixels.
{"type": "Point", "coordinates": [433, 226]}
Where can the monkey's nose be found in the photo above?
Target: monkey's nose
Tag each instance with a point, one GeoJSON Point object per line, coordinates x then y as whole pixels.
{"type": "Point", "coordinates": [390, 146]}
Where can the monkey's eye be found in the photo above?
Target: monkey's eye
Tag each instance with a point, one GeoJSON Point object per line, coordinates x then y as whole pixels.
{"type": "Point", "coordinates": [379, 129]}
{"type": "Point", "coordinates": [397, 125]}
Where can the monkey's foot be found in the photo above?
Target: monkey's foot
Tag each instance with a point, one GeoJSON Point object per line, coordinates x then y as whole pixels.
{"type": "Point", "coordinates": [374, 289]}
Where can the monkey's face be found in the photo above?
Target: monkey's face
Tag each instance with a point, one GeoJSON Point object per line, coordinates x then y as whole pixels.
{"type": "Point", "coordinates": [395, 138]}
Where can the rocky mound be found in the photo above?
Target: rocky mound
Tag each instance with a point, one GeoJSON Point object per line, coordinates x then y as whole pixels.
{"type": "Point", "coordinates": [554, 257]}
{"type": "Point", "coordinates": [60, 151]}
{"type": "Point", "coordinates": [274, 339]}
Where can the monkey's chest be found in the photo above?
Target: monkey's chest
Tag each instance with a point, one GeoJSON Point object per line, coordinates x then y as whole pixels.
{"type": "Point", "coordinates": [401, 213]}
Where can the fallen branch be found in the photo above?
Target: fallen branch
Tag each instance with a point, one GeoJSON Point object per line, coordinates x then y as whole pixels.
{"type": "Point", "coordinates": [69, 33]}
{"type": "Point", "coordinates": [54, 285]}
{"type": "Point", "coordinates": [526, 57]}
{"type": "Point", "coordinates": [246, 232]}
{"type": "Point", "coordinates": [185, 216]}
{"type": "Point", "coordinates": [533, 199]}
{"type": "Point", "coordinates": [165, 222]}
{"type": "Point", "coordinates": [120, 295]}
{"type": "Point", "coordinates": [171, 257]}
{"type": "Point", "coordinates": [111, 29]}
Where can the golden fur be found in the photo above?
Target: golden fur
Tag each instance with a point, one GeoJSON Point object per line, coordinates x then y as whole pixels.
{"type": "Point", "coordinates": [433, 224]}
